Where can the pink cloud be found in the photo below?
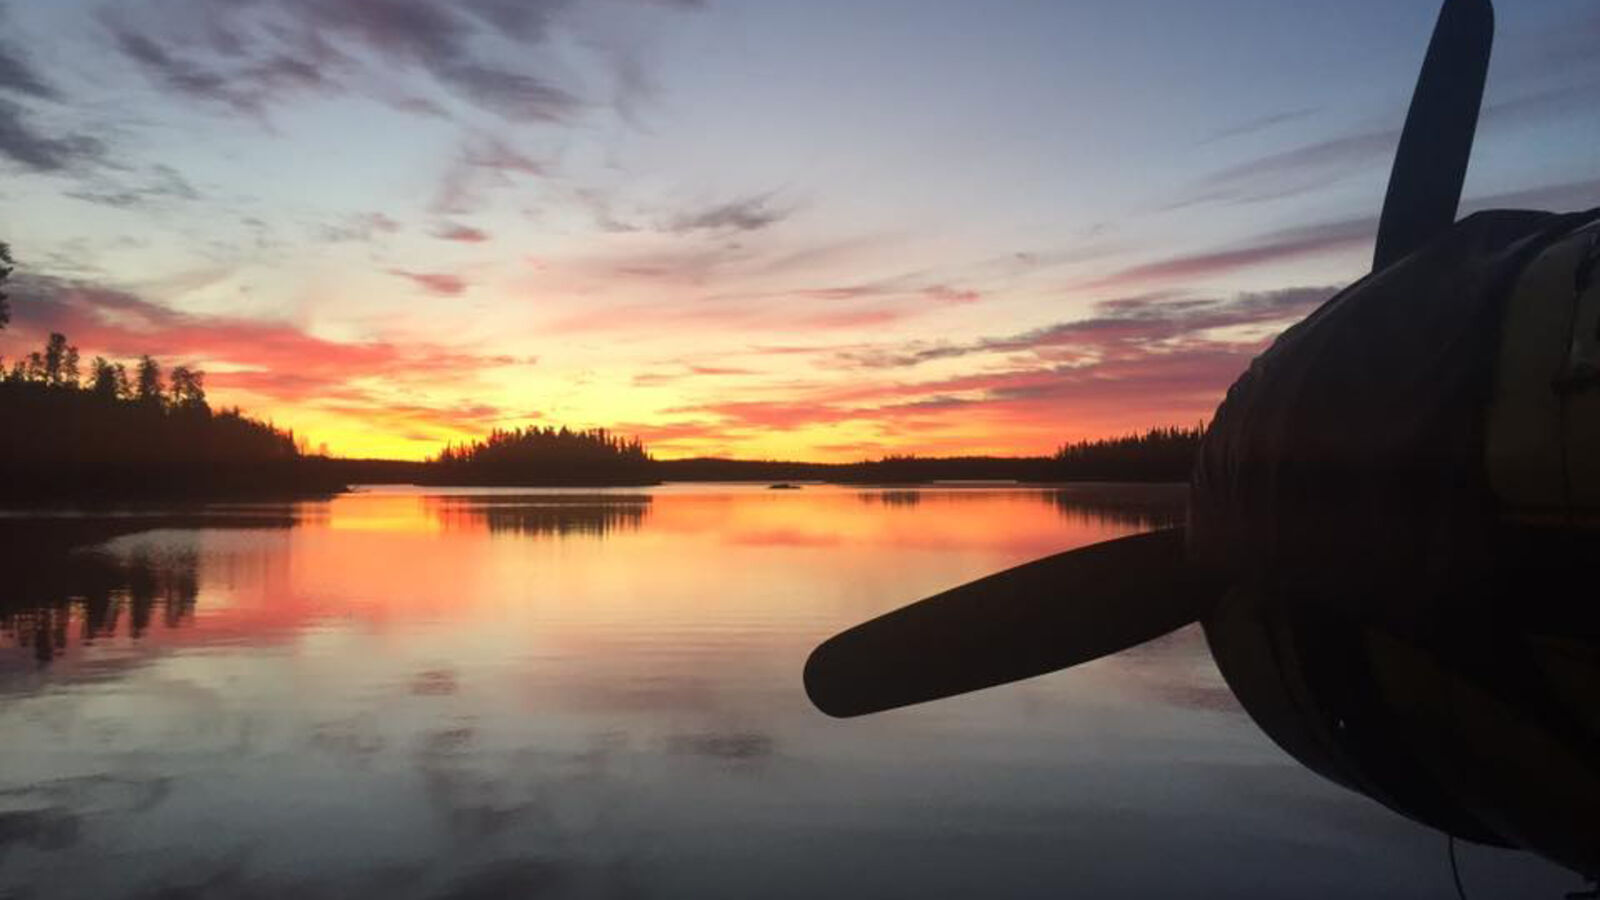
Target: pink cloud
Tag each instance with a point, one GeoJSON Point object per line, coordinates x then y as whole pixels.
{"type": "Point", "coordinates": [271, 359]}
{"type": "Point", "coordinates": [1028, 409]}
{"type": "Point", "coordinates": [943, 293]}
{"type": "Point", "coordinates": [1144, 360]}
{"type": "Point", "coordinates": [442, 283]}
{"type": "Point", "coordinates": [719, 370]}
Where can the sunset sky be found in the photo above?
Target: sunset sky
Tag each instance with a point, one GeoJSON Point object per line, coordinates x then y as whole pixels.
{"type": "Point", "coordinates": [823, 230]}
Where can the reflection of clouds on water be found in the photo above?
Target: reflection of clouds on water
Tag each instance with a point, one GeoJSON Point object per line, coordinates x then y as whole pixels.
{"type": "Point", "coordinates": [529, 820]}
{"type": "Point", "coordinates": [434, 683]}
{"type": "Point", "coordinates": [534, 515]}
{"type": "Point", "coordinates": [511, 878]}
{"type": "Point", "coordinates": [446, 742]}
{"type": "Point", "coordinates": [355, 739]}
{"type": "Point", "coordinates": [596, 694]}
{"type": "Point", "coordinates": [91, 794]}
{"type": "Point", "coordinates": [52, 816]}
{"type": "Point", "coordinates": [40, 829]}
{"type": "Point", "coordinates": [728, 748]}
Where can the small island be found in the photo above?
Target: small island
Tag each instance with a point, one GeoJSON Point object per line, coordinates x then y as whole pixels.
{"type": "Point", "coordinates": [543, 457]}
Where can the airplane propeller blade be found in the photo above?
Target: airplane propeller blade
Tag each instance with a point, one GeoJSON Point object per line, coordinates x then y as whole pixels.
{"type": "Point", "coordinates": [1041, 616]}
{"type": "Point", "coordinates": [1431, 162]}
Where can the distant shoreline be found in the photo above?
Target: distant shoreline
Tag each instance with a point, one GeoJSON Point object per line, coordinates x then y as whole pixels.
{"type": "Point", "coordinates": [12, 500]}
{"type": "Point", "coordinates": [306, 478]}
{"type": "Point", "coordinates": [890, 471]}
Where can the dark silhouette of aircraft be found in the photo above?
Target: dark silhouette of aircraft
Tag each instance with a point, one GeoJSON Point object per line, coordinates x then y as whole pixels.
{"type": "Point", "coordinates": [1393, 536]}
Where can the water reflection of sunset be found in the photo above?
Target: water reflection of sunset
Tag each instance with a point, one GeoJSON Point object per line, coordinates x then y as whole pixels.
{"type": "Point", "coordinates": [723, 590]}
{"type": "Point", "coordinates": [389, 557]}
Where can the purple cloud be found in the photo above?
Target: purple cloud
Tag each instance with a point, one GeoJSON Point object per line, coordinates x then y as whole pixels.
{"type": "Point", "coordinates": [251, 54]}
{"type": "Point", "coordinates": [23, 143]}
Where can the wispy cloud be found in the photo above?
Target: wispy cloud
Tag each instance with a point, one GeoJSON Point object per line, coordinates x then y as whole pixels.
{"type": "Point", "coordinates": [1137, 324]}
{"type": "Point", "coordinates": [18, 76]}
{"type": "Point", "coordinates": [23, 142]}
{"type": "Point", "coordinates": [441, 283]}
{"type": "Point", "coordinates": [1277, 247]}
{"type": "Point", "coordinates": [1014, 407]}
{"type": "Point", "coordinates": [1567, 195]}
{"type": "Point", "coordinates": [1258, 124]}
{"type": "Point", "coordinates": [483, 165]}
{"type": "Point", "coordinates": [462, 234]}
{"type": "Point", "coordinates": [745, 214]}
{"type": "Point", "coordinates": [244, 82]}
{"type": "Point", "coordinates": [1327, 237]}
{"type": "Point", "coordinates": [160, 184]}
{"type": "Point", "coordinates": [251, 55]}
{"type": "Point", "coordinates": [824, 308]}
{"type": "Point", "coordinates": [1313, 165]}
{"type": "Point", "coordinates": [684, 371]}
{"type": "Point", "coordinates": [360, 227]}
{"type": "Point", "coordinates": [427, 422]}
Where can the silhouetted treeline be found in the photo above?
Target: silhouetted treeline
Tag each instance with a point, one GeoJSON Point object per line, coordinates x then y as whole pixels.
{"type": "Point", "coordinates": [367, 470]}
{"type": "Point", "coordinates": [112, 434]}
{"type": "Point", "coordinates": [1157, 454]}
{"type": "Point", "coordinates": [544, 456]}
{"type": "Point", "coordinates": [888, 470]}
{"type": "Point", "coordinates": [1160, 454]}
{"type": "Point", "coordinates": [707, 468]}
{"type": "Point", "coordinates": [908, 469]}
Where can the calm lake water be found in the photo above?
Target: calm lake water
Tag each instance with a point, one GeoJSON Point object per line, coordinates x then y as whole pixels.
{"type": "Point", "coordinates": [407, 693]}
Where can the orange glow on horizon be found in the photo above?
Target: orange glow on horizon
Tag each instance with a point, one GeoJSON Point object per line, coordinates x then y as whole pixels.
{"type": "Point", "coordinates": [406, 435]}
